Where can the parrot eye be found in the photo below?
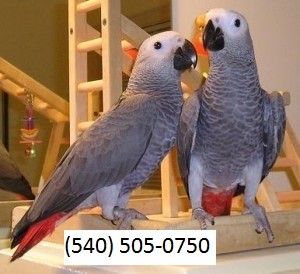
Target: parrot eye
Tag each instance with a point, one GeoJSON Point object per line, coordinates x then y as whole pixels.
{"type": "Point", "coordinates": [237, 23]}
{"type": "Point", "coordinates": [157, 45]}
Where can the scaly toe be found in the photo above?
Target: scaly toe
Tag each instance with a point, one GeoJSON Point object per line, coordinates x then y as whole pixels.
{"type": "Point", "coordinates": [125, 224]}
{"type": "Point", "coordinates": [201, 215]}
{"type": "Point", "coordinates": [123, 217]}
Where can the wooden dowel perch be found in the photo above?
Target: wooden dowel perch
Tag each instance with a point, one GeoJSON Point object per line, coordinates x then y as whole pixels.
{"type": "Point", "coordinates": [91, 45]}
{"type": "Point", "coordinates": [96, 85]}
{"type": "Point", "coordinates": [83, 126]}
{"type": "Point", "coordinates": [88, 6]}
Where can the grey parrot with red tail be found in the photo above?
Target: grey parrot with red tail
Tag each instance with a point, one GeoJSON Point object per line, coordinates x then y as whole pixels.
{"type": "Point", "coordinates": [231, 130]}
{"type": "Point", "coordinates": [120, 150]}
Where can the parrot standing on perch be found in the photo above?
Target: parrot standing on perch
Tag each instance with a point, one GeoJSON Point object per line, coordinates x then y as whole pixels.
{"type": "Point", "coordinates": [11, 178]}
{"type": "Point", "coordinates": [120, 150]}
{"type": "Point", "coordinates": [231, 130]}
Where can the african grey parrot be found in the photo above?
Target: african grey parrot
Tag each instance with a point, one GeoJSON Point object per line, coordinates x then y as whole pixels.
{"type": "Point", "coordinates": [11, 178]}
{"type": "Point", "coordinates": [121, 149]}
{"type": "Point", "coordinates": [231, 130]}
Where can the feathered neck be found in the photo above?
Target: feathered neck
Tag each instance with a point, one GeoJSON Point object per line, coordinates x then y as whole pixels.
{"type": "Point", "coordinates": [236, 73]}
{"type": "Point", "coordinates": [154, 81]}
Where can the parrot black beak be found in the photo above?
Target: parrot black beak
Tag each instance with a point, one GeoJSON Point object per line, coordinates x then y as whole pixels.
{"type": "Point", "coordinates": [185, 56]}
{"type": "Point", "coordinates": [213, 38]}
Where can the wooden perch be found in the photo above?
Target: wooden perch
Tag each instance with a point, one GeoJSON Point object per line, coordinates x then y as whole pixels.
{"type": "Point", "coordinates": [90, 86]}
{"type": "Point", "coordinates": [237, 233]}
{"type": "Point", "coordinates": [89, 5]}
{"type": "Point", "coordinates": [90, 45]}
{"type": "Point", "coordinates": [234, 233]}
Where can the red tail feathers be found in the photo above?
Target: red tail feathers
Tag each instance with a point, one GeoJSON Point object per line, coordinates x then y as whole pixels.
{"type": "Point", "coordinates": [36, 233]}
{"type": "Point", "coordinates": [217, 202]}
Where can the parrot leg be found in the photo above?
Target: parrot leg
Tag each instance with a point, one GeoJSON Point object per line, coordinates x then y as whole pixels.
{"type": "Point", "coordinates": [113, 206]}
{"type": "Point", "coordinates": [195, 190]}
{"type": "Point", "coordinates": [253, 176]}
{"type": "Point", "coordinates": [124, 217]}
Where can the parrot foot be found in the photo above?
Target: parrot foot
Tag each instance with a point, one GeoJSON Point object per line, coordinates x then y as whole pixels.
{"type": "Point", "coordinates": [201, 215]}
{"type": "Point", "coordinates": [123, 217]}
{"type": "Point", "coordinates": [262, 223]}
{"type": "Point", "coordinates": [246, 211]}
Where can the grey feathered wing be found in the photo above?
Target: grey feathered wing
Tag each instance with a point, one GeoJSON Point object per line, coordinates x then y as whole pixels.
{"type": "Point", "coordinates": [187, 133]}
{"type": "Point", "coordinates": [274, 124]}
{"type": "Point", "coordinates": [103, 156]}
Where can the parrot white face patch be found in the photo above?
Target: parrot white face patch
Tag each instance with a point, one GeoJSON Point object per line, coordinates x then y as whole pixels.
{"type": "Point", "coordinates": [162, 44]}
{"type": "Point", "coordinates": [232, 23]}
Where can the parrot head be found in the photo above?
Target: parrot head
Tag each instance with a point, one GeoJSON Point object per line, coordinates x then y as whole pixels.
{"type": "Point", "coordinates": [168, 47]}
{"type": "Point", "coordinates": [226, 31]}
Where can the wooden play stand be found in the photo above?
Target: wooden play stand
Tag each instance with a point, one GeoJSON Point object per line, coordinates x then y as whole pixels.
{"type": "Point", "coordinates": [115, 27]}
{"type": "Point", "coordinates": [119, 34]}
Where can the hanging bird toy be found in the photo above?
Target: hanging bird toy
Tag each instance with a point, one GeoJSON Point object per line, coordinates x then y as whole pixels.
{"type": "Point", "coordinates": [29, 132]}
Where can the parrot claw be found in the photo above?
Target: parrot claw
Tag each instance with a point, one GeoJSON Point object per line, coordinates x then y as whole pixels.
{"type": "Point", "coordinates": [201, 215]}
{"type": "Point", "coordinates": [258, 231]}
{"type": "Point", "coordinates": [262, 223]}
{"type": "Point", "coordinates": [123, 217]}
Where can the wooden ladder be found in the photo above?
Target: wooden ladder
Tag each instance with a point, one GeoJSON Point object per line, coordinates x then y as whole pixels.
{"type": "Point", "coordinates": [83, 39]}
